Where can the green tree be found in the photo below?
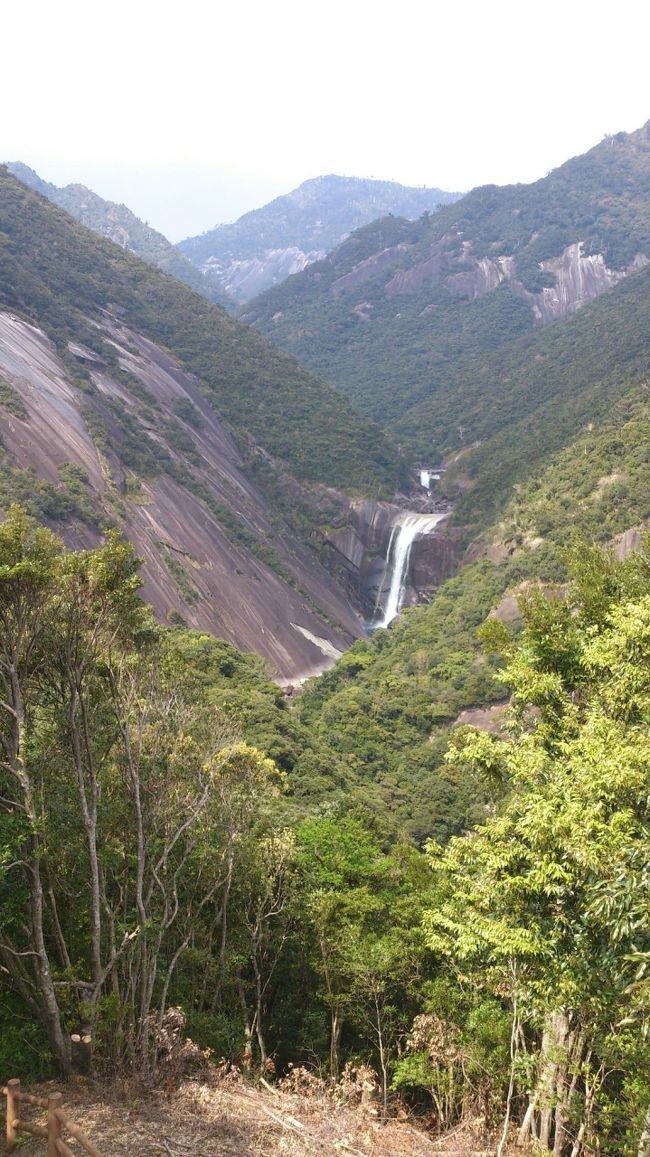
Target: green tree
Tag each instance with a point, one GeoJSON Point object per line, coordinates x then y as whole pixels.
{"type": "Point", "coordinates": [536, 905]}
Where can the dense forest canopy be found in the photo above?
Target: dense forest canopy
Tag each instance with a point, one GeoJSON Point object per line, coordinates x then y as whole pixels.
{"type": "Point", "coordinates": [122, 226]}
{"type": "Point", "coordinates": [154, 857]}
{"type": "Point", "coordinates": [430, 327]}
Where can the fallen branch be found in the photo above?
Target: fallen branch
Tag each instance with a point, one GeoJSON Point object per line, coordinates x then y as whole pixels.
{"type": "Point", "coordinates": [269, 1087]}
{"type": "Point", "coordinates": [287, 1123]}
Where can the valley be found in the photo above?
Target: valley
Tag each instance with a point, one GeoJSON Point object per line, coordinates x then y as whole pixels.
{"type": "Point", "coordinates": [325, 668]}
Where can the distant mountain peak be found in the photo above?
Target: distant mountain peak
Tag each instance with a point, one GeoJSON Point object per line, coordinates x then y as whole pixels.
{"type": "Point", "coordinates": [266, 245]}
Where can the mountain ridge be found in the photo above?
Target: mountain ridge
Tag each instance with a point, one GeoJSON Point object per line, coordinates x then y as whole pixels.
{"type": "Point", "coordinates": [268, 244]}
{"type": "Point", "coordinates": [404, 315]}
{"type": "Point", "coordinates": [122, 226]}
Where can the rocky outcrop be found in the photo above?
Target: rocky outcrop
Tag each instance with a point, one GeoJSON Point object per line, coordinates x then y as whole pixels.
{"type": "Point", "coordinates": [576, 278]}
{"type": "Point", "coordinates": [281, 238]}
{"type": "Point", "coordinates": [366, 270]}
{"type": "Point", "coordinates": [245, 278]}
{"type": "Point", "coordinates": [485, 276]}
{"type": "Point", "coordinates": [630, 542]}
{"type": "Point", "coordinates": [434, 559]}
{"type": "Point", "coordinates": [424, 275]}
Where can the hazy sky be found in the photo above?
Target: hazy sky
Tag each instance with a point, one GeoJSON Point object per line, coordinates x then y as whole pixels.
{"type": "Point", "coordinates": [192, 113]}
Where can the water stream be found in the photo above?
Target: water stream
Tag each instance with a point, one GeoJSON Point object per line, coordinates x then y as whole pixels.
{"type": "Point", "coordinates": [406, 529]}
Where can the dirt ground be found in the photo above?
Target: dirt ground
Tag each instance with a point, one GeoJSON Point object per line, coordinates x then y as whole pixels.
{"type": "Point", "coordinates": [231, 1118]}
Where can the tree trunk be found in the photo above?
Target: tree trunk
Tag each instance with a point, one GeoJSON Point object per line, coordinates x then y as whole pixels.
{"type": "Point", "coordinates": [572, 1050]}
{"type": "Point", "coordinates": [247, 1055]}
{"type": "Point", "coordinates": [382, 1060]}
{"type": "Point", "coordinates": [335, 1040]}
{"type": "Point", "coordinates": [46, 994]}
{"type": "Point", "coordinates": [550, 1093]}
{"type": "Point", "coordinates": [644, 1140]}
{"type": "Point", "coordinates": [514, 1040]}
{"type": "Point", "coordinates": [89, 814]}
{"type": "Point", "coordinates": [527, 1127]}
{"type": "Point", "coordinates": [51, 1016]}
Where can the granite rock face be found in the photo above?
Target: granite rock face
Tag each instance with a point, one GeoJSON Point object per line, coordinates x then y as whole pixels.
{"type": "Point", "coordinates": [576, 278]}
{"type": "Point", "coordinates": [294, 614]}
{"type": "Point", "coordinates": [246, 277]}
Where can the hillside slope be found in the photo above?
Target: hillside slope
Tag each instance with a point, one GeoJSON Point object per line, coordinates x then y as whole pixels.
{"type": "Point", "coordinates": [62, 276]}
{"type": "Point", "coordinates": [406, 315]}
{"type": "Point", "coordinates": [120, 225]}
{"type": "Point", "coordinates": [268, 244]}
{"type": "Point", "coordinates": [126, 399]}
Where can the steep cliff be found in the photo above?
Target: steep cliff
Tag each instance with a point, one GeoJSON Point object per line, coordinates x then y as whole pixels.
{"type": "Point", "coordinates": [358, 553]}
{"type": "Point", "coordinates": [214, 549]}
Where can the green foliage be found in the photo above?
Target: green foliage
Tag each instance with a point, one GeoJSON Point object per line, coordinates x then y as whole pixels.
{"type": "Point", "coordinates": [23, 1051]}
{"type": "Point", "coordinates": [11, 401]}
{"type": "Point", "coordinates": [313, 217]}
{"type": "Point", "coordinates": [180, 576]}
{"type": "Point", "coordinates": [187, 412]}
{"type": "Point", "coordinates": [387, 705]}
{"type": "Point", "coordinates": [545, 902]}
{"type": "Point", "coordinates": [448, 367]}
{"type": "Point", "coordinates": [44, 500]}
{"type": "Point", "coordinates": [123, 227]}
{"type": "Point", "coordinates": [457, 1052]}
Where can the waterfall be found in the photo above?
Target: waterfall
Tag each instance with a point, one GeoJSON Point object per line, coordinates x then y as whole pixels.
{"type": "Point", "coordinates": [407, 528]}
{"type": "Point", "coordinates": [382, 584]}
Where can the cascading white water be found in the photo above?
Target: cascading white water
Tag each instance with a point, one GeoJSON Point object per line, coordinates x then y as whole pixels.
{"type": "Point", "coordinates": [407, 528]}
{"type": "Point", "coordinates": [382, 585]}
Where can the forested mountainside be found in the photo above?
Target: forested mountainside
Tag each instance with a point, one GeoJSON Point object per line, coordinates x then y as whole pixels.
{"type": "Point", "coordinates": [127, 400]}
{"type": "Point", "coordinates": [563, 456]}
{"type": "Point", "coordinates": [268, 244]}
{"type": "Point", "coordinates": [120, 225]}
{"type": "Point", "coordinates": [410, 319]}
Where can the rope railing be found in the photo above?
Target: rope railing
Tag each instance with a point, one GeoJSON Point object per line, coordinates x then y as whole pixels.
{"type": "Point", "coordinates": [52, 1132]}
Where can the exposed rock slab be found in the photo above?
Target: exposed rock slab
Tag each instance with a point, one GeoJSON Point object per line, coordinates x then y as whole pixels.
{"type": "Point", "coordinates": [295, 615]}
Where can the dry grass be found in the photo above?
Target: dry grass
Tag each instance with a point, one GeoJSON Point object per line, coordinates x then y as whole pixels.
{"type": "Point", "coordinates": [229, 1117]}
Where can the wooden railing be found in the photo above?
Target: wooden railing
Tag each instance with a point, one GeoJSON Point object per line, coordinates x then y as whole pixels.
{"type": "Point", "coordinates": [52, 1131]}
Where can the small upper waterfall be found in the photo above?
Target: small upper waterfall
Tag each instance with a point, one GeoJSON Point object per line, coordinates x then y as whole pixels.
{"type": "Point", "coordinates": [407, 528]}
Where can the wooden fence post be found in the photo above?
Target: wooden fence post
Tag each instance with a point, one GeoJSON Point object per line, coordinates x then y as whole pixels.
{"type": "Point", "coordinates": [53, 1123]}
{"type": "Point", "coordinates": [13, 1087]}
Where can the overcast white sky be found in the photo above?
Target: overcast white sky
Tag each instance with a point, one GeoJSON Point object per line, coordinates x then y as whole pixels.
{"type": "Point", "coordinates": [193, 112]}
